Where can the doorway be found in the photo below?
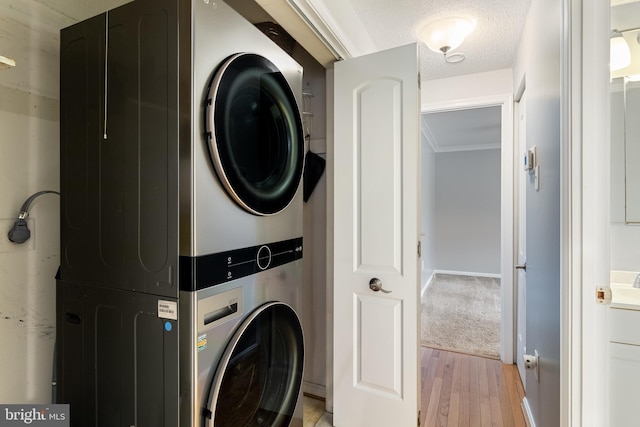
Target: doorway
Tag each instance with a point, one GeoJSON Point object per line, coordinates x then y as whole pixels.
{"type": "Point", "coordinates": [476, 115]}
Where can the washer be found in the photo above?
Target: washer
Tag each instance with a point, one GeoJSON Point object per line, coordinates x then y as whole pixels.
{"type": "Point", "coordinates": [247, 352]}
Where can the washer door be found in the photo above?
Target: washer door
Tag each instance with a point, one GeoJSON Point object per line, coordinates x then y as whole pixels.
{"type": "Point", "coordinates": [254, 133]}
{"type": "Point", "coordinates": [258, 379]}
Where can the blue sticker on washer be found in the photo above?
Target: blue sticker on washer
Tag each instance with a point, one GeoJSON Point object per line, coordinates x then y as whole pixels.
{"type": "Point", "coordinates": [168, 326]}
{"type": "Point", "coordinates": [202, 342]}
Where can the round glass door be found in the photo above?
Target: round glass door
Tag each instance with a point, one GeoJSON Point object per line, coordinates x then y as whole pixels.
{"type": "Point", "coordinates": [258, 379]}
{"type": "Point", "coordinates": [254, 133]}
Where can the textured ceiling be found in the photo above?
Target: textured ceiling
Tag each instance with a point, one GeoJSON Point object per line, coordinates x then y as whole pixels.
{"type": "Point", "coordinates": [491, 46]}
{"type": "Point", "coordinates": [462, 130]}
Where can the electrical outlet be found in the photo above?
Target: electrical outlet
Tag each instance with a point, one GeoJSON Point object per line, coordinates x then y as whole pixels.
{"type": "Point", "coordinates": [532, 362]}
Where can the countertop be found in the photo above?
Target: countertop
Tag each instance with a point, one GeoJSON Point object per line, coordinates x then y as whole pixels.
{"type": "Point", "coordinates": [623, 294]}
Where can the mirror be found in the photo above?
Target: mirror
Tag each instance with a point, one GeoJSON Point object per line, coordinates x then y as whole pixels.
{"type": "Point", "coordinates": [625, 142]}
{"type": "Point", "coordinates": [625, 81]}
{"type": "Point", "coordinates": [631, 134]}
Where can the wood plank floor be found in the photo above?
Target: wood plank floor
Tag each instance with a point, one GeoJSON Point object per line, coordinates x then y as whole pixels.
{"type": "Point", "coordinates": [463, 390]}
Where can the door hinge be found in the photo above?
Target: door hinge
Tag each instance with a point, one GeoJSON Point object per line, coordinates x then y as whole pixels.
{"type": "Point", "coordinates": [418, 418]}
{"type": "Point", "coordinates": [603, 295]}
{"type": "Point", "coordinates": [419, 249]}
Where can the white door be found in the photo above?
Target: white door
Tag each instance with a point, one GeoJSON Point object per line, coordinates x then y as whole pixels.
{"type": "Point", "coordinates": [521, 280]}
{"type": "Point", "coordinates": [376, 235]}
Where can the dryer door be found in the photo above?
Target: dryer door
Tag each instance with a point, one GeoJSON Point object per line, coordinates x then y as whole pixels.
{"type": "Point", "coordinates": [259, 376]}
{"type": "Point", "coordinates": [254, 133]}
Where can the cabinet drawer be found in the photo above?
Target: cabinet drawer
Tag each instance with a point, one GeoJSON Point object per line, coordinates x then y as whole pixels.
{"type": "Point", "coordinates": [624, 382]}
{"type": "Point", "coordinates": [624, 326]}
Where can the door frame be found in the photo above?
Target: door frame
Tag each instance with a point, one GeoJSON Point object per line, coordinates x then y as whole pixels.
{"type": "Point", "coordinates": [519, 205]}
{"type": "Point", "coordinates": [584, 363]}
{"type": "Point", "coordinates": [507, 250]}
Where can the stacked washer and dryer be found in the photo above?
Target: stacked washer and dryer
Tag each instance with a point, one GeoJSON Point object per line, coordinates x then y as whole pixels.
{"type": "Point", "coordinates": [181, 220]}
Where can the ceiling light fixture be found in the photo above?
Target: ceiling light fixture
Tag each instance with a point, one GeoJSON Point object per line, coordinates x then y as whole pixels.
{"type": "Point", "coordinates": [446, 34]}
{"type": "Point", "coordinates": [620, 55]}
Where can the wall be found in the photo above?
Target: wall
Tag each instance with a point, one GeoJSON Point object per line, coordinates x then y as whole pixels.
{"type": "Point", "coordinates": [314, 308]}
{"type": "Point", "coordinates": [467, 212]}
{"type": "Point", "coordinates": [451, 93]}
{"type": "Point", "coordinates": [29, 119]}
{"type": "Point", "coordinates": [539, 59]}
{"type": "Point", "coordinates": [468, 87]}
{"type": "Point", "coordinates": [427, 234]}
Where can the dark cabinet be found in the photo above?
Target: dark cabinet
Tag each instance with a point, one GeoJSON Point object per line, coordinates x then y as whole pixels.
{"type": "Point", "coordinates": [119, 149]}
{"type": "Point", "coordinates": [116, 359]}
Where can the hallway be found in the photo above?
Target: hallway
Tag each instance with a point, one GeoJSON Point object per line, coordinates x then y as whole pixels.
{"type": "Point", "coordinates": [463, 390]}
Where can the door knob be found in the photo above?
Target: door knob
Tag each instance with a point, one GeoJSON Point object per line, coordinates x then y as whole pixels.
{"type": "Point", "coordinates": [521, 266]}
{"type": "Point", "coordinates": [375, 285]}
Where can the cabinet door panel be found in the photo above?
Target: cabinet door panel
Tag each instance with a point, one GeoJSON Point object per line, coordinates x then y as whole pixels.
{"type": "Point", "coordinates": [128, 237]}
{"type": "Point", "coordinates": [625, 384]}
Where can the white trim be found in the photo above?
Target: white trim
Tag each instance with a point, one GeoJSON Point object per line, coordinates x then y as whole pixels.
{"type": "Point", "coordinates": [584, 325]}
{"type": "Point", "coordinates": [425, 130]}
{"type": "Point", "coordinates": [339, 29]}
{"type": "Point", "coordinates": [428, 136]}
{"type": "Point", "coordinates": [466, 273]}
{"type": "Point", "coordinates": [507, 329]}
{"type": "Point", "coordinates": [426, 285]}
{"type": "Point", "coordinates": [466, 104]}
{"type": "Point", "coordinates": [526, 411]}
{"type": "Point", "coordinates": [571, 219]}
{"type": "Point", "coordinates": [469, 148]}
{"type": "Point", "coordinates": [313, 389]}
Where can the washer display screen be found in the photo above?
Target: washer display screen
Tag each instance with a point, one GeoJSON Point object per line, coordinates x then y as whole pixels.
{"type": "Point", "coordinates": [254, 133]}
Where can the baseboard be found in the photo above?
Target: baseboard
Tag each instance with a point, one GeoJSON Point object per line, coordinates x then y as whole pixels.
{"type": "Point", "coordinates": [426, 285]}
{"type": "Point", "coordinates": [528, 416]}
{"type": "Point", "coordinates": [467, 273]}
{"type": "Point", "coordinates": [315, 390]}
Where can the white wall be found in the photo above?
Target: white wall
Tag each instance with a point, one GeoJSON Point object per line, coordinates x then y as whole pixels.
{"type": "Point", "coordinates": [314, 294]}
{"type": "Point", "coordinates": [428, 186]}
{"type": "Point", "coordinates": [467, 212]}
{"type": "Point", "coordinates": [538, 62]}
{"type": "Point", "coordinates": [462, 88]}
{"type": "Point", "coordinates": [452, 93]}
{"type": "Point", "coordinates": [29, 162]}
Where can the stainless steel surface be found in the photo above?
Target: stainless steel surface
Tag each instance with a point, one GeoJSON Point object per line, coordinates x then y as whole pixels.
{"type": "Point", "coordinates": [375, 285]}
{"type": "Point", "coordinates": [219, 32]}
{"type": "Point", "coordinates": [280, 284]}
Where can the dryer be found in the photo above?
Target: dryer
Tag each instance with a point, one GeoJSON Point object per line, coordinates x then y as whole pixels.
{"type": "Point", "coordinates": [181, 137]}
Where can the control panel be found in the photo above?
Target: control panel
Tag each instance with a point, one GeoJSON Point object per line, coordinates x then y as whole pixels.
{"type": "Point", "coordinates": [209, 270]}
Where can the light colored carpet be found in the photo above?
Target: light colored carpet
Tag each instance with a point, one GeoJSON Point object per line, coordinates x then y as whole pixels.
{"type": "Point", "coordinates": [462, 314]}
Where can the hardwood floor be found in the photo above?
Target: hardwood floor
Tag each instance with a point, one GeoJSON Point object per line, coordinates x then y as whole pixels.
{"type": "Point", "coordinates": [463, 390]}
